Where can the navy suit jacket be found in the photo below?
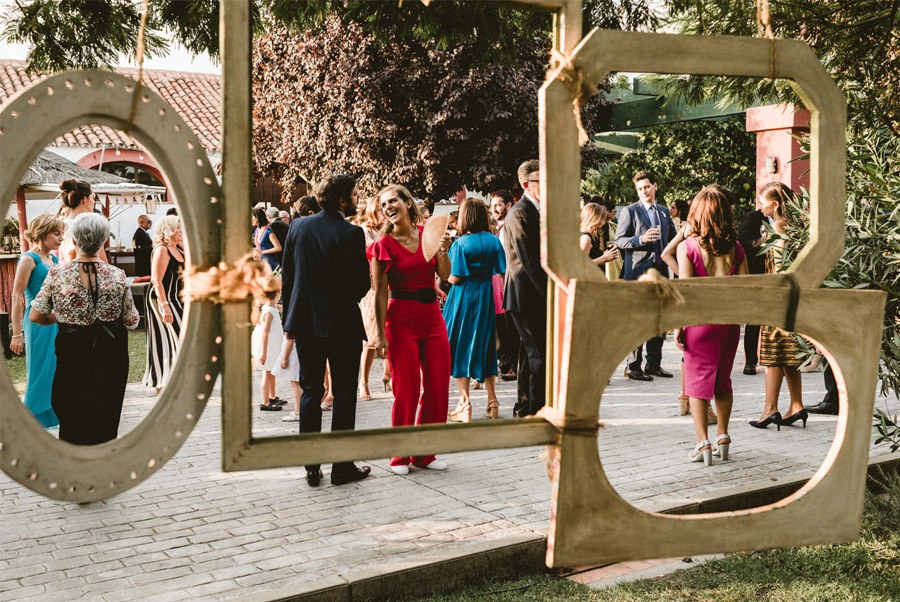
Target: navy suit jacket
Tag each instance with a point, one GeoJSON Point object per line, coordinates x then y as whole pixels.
{"type": "Point", "coordinates": [526, 280]}
{"type": "Point", "coordinates": [634, 221]}
{"type": "Point", "coordinates": [325, 274]}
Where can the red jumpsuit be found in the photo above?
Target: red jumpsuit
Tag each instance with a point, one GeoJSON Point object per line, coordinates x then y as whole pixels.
{"type": "Point", "coordinates": [417, 341]}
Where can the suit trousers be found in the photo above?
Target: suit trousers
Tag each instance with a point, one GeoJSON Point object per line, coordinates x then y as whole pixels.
{"type": "Point", "coordinates": [831, 390]}
{"type": "Point", "coordinates": [751, 344]}
{"type": "Point", "coordinates": [531, 325]}
{"type": "Point", "coordinates": [508, 340]}
{"type": "Point", "coordinates": [419, 351]}
{"type": "Point", "coordinates": [342, 355]}
{"type": "Point", "coordinates": [654, 345]}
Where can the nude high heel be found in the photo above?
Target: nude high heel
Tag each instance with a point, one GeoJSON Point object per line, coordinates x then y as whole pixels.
{"type": "Point", "coordinates": [722, 448]}
{"type": "Point", "coordinates": [492, 410]}
{"type": "Point", "coordinates": [462, 412]}
{"type": "Point", "coordinates": [700, 454]}
{"type": "Point", "coordinates": [386, 381]}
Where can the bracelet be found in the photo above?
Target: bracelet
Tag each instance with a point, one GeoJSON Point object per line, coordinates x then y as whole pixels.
{"type": "Point", "coordinates": [16, 336]}
{"type": "Point", "coordinates": [442, 252]}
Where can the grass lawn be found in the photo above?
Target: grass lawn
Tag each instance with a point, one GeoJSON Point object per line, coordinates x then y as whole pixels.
{"type": "Point", "coordinates": [865, 570]}
{"type": "Point", "coordinates": [137, 353]}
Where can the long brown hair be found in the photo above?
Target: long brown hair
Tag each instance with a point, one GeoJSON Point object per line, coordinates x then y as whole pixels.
{"type": "Point", "coordinates": [779, 193]}
{"type": "Point", "coordinates": [414, 215]}
{"type": "Point", "coordinates": [712, 221]}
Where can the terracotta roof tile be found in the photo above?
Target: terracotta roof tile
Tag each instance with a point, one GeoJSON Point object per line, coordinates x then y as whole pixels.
{"type": "Point", "coordinates": [194, 96]}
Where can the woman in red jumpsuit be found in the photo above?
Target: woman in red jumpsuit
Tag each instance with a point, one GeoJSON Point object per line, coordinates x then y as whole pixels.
{"type": "Point", "coordinates": [410, 325]}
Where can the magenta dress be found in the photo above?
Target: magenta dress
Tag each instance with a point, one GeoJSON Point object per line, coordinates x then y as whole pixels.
{"type": "Point", "coordinates": [709, 348]}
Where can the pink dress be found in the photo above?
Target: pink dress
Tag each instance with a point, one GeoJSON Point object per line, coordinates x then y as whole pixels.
{"type": "Point", "coordinates": [709, 349]}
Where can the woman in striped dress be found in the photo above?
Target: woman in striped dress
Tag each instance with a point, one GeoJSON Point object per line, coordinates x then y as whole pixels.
{"type": "Point", "coordinates": [164, 306]}
{"type": "Point", "coordinates": [779, 349]}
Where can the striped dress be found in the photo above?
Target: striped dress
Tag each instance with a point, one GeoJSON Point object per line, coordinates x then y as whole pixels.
{"type": "Point", "coordinates": [162, 338]}
{"type": "Point", "coordinates": [777, 347]}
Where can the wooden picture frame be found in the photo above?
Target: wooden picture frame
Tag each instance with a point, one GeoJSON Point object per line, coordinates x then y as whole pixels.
{"type": "Point", "coordinates": [28, 122]}
{"type": "Point", "coordinates": [242, 451]}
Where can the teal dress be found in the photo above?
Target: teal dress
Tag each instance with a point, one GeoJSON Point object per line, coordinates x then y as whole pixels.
{"type": "Point", "coordinates": [470, 312]}
{"type": "Point", "coordinates": [40, 349]}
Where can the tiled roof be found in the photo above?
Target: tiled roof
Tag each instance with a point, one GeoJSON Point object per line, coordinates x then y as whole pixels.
{"type": "Point", "coordinates": [195, 96]}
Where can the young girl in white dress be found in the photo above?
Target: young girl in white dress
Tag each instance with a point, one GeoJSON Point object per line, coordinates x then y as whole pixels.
{"type": "Point", "coordinates": [265, 344]}
{"type": "Point", "coordinates": [288, 366]}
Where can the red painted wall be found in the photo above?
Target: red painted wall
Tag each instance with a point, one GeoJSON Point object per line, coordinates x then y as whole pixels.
{"type": "Point", "coordinates": [774, 126]}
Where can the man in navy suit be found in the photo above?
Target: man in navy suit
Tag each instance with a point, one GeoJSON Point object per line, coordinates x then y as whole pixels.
{"type": "Point", "coordinates": [525, 293]}
{"type": "Point", "coordinates": [325, 274]}
{"type": "Point", "coordinates": [643, 232]}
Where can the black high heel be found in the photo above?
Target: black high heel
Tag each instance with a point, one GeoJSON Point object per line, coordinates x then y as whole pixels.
{"type": "Point", "coordinates": [776, 418]}
{"type": "Point", "coordinates": [801, 415]}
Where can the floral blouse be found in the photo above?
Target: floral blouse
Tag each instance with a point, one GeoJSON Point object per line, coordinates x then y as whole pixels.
{"type": "Point", "coordinates": [64, 292]}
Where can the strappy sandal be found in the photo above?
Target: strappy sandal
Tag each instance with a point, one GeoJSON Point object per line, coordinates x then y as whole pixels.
{"type": "Point", "coordinates": [699, 454]}
{"type": "Point", "coordinates": [492, 410]}
{"type": "Point", "coordinates": [462, 412]}
{"type": "Point", "coordinates": [722, 448]}
{"type": "Point", "coordinates": [327, 403]}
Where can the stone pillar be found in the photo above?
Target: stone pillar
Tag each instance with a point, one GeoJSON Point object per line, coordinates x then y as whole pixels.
{"type": "Point", "coordinates": [776, 146]}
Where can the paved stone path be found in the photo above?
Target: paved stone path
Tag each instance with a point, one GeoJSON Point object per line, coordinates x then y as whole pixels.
{"type": "Point", "coordinates": [193, 532]}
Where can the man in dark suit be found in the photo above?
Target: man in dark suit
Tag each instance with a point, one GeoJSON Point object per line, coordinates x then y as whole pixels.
{"type": "Point", "coordinates": [279, 229]}
{"type": "Point", "coordinates": [750, 237]}
{"type": "Point", "coordinates": [143, 246]}
{"type": "Point", "coordinates": [643, 232]}
{"type": "Point", "coordinates": [525, 294]}
{"type": "Point", "coordinates": [325, 274]}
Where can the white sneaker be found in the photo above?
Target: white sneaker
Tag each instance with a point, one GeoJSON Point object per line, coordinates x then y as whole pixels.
{"type": "Point", "coordinates": [400, 469]}
{"type": "Point", "coordinates": [437, 465]}
{"type": "Point", "coordinates": [292, 417]}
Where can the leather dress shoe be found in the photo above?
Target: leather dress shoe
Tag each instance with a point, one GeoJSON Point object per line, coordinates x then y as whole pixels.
{"type": "Point", "coordinates": [750, 369]}
{"type": "Point", "coordinates": [349, 475]}
{"type": "Point", "coordinates": [637, 375]}
{"type": "Point", "coordinates": [313, 477]}
{"type": "Point", "coordinates": [657, 371]}
{"type": "Point", "coordinates": [823, 408]}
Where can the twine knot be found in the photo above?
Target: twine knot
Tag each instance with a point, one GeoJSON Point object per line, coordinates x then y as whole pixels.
{"type": "Point", "coordinates": [244, 280]}
{"type": "Point", "coordinates": [575, 79]}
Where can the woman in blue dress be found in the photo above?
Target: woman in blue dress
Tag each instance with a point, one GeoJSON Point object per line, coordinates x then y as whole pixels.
{"type": "Point", "coordinates": [264, 240]}
{"type": "Point", "coordinates": [469, 311]}
{"type": "Point", "coordinates": [46, 234]}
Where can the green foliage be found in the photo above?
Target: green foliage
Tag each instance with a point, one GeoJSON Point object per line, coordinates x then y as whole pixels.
{"type": "Point", "coordinates": [684, 157]}
{"type": "Point", "coordinates": [856, 41]}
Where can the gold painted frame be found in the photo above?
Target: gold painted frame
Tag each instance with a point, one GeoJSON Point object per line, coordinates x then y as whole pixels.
{"type": "Point", "coordinates": [28, 121]}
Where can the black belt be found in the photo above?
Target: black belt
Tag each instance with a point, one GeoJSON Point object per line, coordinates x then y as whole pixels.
{"type": "Point", "coordinates": [423, 295]}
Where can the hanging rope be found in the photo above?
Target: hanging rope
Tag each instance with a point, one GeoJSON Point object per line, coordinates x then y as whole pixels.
{"type": "Point", "coordinates": [244, 280]}
{"type": "Point", "coordinates": [575, 79]}
{"type": "Point", "coordinates": [764, 29]}
{"type": "Point", "coordinates": [139, 55]}
{"type": "Point", "coordinates": [666, 294]}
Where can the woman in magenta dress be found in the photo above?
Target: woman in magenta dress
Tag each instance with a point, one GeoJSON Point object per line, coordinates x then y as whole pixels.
{"type": "Point", "coordinates": [410, 325]}
{"type": "Point", "coordinates": [710, 249]}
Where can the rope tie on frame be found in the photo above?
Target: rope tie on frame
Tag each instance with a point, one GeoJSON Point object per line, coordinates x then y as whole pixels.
{"type": "Point", "coordinates": [139, 52]}
{"type": "Point", "coordinates": [667, 294]}
{"type": "Point", "coordinates": [764, 28]}
{"type": "Point", "coordinates": [575, 79]}
{"type": "Point", "coordinates": [244, 280]}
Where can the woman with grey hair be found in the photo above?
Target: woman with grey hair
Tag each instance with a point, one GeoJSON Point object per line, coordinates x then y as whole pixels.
{"type": "Point", "coordinates": [93, 306]}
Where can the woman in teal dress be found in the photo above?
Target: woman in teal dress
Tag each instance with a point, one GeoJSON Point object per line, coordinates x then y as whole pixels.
{"type": "Point", "coordinates": [469, 311]}
{"type": "Point", "coordinates": [46, 234]}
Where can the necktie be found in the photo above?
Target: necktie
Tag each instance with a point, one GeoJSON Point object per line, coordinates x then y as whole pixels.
{"type": "Point", "coordinates": [657, 244]}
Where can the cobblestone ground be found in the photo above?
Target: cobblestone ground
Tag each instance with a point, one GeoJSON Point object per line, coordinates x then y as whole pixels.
{"type": "Point", "coordinates": [193, 532]}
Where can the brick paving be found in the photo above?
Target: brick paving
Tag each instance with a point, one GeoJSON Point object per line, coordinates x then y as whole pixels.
{"type": "Point", "coordinates": [192, 532]}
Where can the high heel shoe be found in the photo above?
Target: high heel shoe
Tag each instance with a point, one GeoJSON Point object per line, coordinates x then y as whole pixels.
{"type": "Point", "coordinates": [492, 410]}
{"type": "Point", "coordinates": [801, 415]}
{"type": "Point", "coordinates": [462, 412]}
{"type": "Point", "coordinates": [722, 448]}
{"type": "Point", "coordinates": [386, 381]}
{"type": "Point", "coordinates": [711, 417]}
{"type": "Point", "coordinates": [365, 394]}
{"type": "Point", "coordinates": [699, 454]}
{"type": "Point", "coordinates": [773, 418]}
{"type": "Point", "coordinates": [684, 405]}
{"type": "Point", "coordinates": [478, 386]}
